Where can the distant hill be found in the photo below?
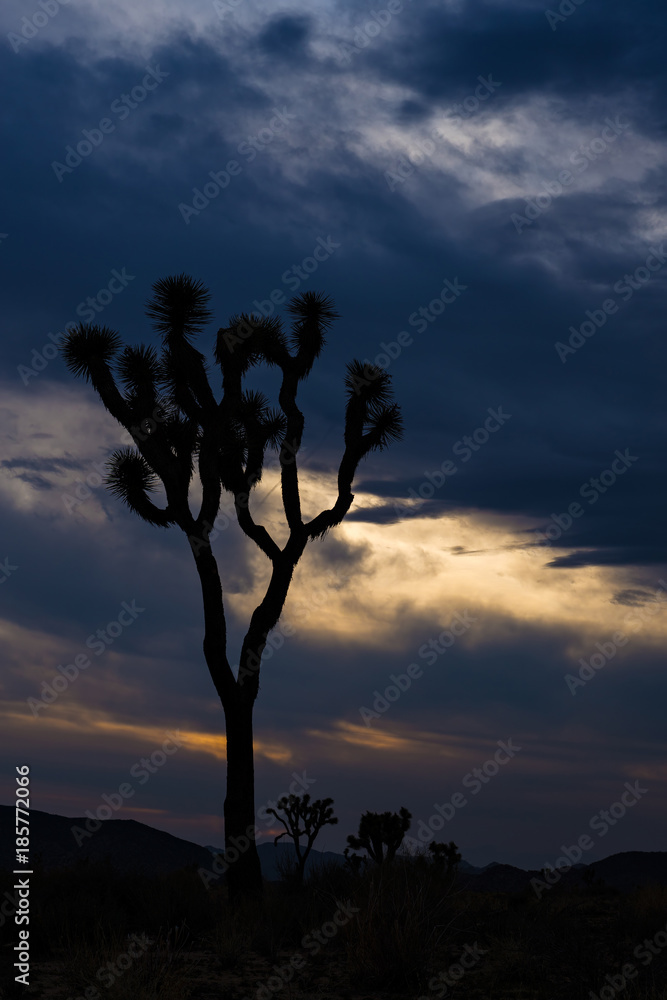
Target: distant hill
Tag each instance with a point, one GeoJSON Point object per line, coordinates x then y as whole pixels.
{"type": "Point", "coordinates": [135, 847]}
{"type": "Point", "coordinates": [130, 846]}
{"type": "Point", "coordinates": [272, 856]}
{"type": "Point", "coordinates": [625, 872]}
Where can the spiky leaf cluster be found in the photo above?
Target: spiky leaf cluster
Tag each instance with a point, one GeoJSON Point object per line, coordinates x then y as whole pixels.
{"type": "Point", "coordinates": [88, 349]}
{"type": "Point", "coordinates": [313, 315]}
{"type": "Point", "coordinates": [179, 309]}
{"type": "Point", "coordinates": [131, 479]}
{"type": "Point", "coordinates": [370, 410]}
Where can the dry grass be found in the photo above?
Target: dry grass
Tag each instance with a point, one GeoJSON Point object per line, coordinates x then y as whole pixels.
{"type": "Point", "coordinates": [406, 926]}
{"type": "Point", "coordinates": [161, 970]}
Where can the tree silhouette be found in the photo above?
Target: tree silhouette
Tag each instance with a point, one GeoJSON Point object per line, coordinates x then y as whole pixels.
{"type": "Point", "coordinates": [446, 857]}
{"type": "Point", "coordinates": [167, 405]}
{"type": "Point", "coordinates": [313, 816]}
{"type": "Point", "coordinates": [378, 831]}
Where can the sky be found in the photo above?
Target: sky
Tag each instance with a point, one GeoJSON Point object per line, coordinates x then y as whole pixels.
{"type": "Point", "coordinates": [481, 189]}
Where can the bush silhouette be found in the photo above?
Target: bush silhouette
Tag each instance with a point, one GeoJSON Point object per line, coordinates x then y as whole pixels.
{"type": "Point", "coordinates": [446, 857]}
{"type": "Point", "coordinates": [380, 835]}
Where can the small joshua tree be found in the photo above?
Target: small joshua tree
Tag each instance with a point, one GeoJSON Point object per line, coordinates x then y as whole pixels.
{"type": "Point", "coordinates": [378, 831]}
{"type": "Point", "coordinates": [313, 816]}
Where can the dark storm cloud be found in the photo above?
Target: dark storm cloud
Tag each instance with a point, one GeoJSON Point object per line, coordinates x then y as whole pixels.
{"type": "Point", "coordinates": [42, 464]}
{"type": "Point", "coordinates": [149, 141]}
{"type": "Point", "coordinates": [34, 480]}
{"type": "Point", "coordinates": [622, 556]}
{"type": "Point", "coordinates": [285, 36]}
{"type": "Point", "coordinates": [439, 52]}
{"type": "Point", "coordinates": [28, 469]}
{"type": "Point", "coordinates": [632, 597]}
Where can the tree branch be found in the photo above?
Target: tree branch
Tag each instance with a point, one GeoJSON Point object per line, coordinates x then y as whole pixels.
{"type": "Point", "coordinates": [215, 626]}
{"type": "Point", "coordinates": [266, 615]}
{"type": "Point", "coordinates": [289, 477]}
{"type": "Point", "coordinates": [257, 532]}
{"type": "Point", "coordinates": [327, 519]}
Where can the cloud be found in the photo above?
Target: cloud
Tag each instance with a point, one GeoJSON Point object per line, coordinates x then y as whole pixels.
{"type": "Point", "coordinates": [632, 597]}
{"type": "Point", "coordinates": [285, 36]}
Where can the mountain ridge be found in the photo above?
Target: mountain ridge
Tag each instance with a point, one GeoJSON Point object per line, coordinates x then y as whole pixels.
{"type": "Point", "coordinates": [131, 846]}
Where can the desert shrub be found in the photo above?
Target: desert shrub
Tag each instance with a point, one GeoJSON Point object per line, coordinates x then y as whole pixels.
{"type": "Point", "coordinates": [402, 927]}
{"type": "Point", "coordinates": [380, 835]}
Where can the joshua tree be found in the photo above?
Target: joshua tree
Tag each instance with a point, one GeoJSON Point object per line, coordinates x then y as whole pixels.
{"type": "Point", "coordinates": [377, 831]}
{"type": "Point", "coordinates": [167, 405]}
{"type": "Point", "coordinates": [313, 816]}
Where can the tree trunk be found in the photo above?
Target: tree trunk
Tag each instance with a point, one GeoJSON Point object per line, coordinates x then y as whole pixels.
{"type": "Point", "coordinates": [244, 875]}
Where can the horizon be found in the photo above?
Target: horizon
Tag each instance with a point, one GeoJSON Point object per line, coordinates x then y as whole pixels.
{"type": "Point", "coordinates": [570, 858]}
